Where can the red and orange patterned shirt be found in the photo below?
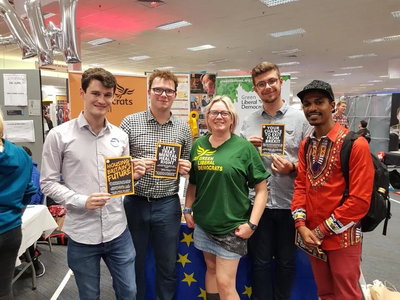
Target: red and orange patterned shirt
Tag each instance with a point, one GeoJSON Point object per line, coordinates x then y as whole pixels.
{"type": "Point", "coordinates": [320, 184]}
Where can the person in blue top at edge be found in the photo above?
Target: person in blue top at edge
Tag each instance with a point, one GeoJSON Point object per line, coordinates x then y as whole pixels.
{"type": "Point", "coordinates": [16, 190]}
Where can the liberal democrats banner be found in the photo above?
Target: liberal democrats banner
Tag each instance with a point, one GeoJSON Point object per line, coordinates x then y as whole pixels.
{"type": "Point", "coordinates": [240, 90]}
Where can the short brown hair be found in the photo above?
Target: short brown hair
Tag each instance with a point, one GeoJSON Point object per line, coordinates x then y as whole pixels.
{"type": "Point", "coordinates": [340, 102]}
{"type": "Point", "coordinates": [231, 108]}
{"type": "Point", "coordinates": [166, 75]}
{"type": "Point", "coordinates": [264, 67]}
{"type": "Point", "coordinates": [106, 78]}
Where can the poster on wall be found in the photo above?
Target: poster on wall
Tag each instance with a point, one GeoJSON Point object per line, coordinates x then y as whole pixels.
{"type": "Point", "coordinates": [240, 90]}
{"type": "Point", "coordinates": [180, 107]}
{"type": "Point", "coordinates": [202, 83]}
{"type": "Point", "coordinates": [19, 131]}
{"type": "Point", "coordinates": [130, 96]}
{"type": "Point", "coordinates": [15, 90]}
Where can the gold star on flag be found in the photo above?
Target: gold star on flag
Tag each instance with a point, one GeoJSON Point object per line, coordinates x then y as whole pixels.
{"type": "Point", "coordinates": [202, 294]}
{"type": "Point", "coordinates": [187, 238]}
{"type": "Point", "coordinates": [248, 291]}
{"type": "Point", "coordinates": [189, 278]}
{"type": "Point", "coordinates": [183, 259]}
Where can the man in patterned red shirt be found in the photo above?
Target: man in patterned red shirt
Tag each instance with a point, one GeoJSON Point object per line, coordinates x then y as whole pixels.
{"type": "Point", "coordinates": [319, 186]}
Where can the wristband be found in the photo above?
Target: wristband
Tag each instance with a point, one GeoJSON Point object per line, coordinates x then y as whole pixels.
{"type": "Point", "coordinates": [187, 210]}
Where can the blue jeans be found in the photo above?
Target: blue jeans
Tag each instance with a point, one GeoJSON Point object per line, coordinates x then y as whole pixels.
{"type": "Point", "coordinates": [274, 237]}
{"type": "Point", "coordinates": [119, 256]}
{"type": "Point", "coordinates": [10, 241]}
{"type": "Point", "coordinates": [156, 221]}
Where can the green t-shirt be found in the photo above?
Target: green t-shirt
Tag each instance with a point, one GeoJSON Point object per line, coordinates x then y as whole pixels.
{"type": "Point", "coordinates": [222, 177]}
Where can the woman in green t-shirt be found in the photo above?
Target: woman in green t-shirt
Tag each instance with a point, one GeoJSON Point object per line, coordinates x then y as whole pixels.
{"type": "Point", "coordinates": [224, 167]}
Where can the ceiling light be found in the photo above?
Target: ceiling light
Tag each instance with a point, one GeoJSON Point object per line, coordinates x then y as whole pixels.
{"type": "Point", "coordinates": [288, 63]}
{"type": "Point", "coordinates": [291, 72]}
{"type": "Point", "coordinates": [389, 88]}
{"type": "Point", "coordinates": [342, 74]}
{"type": "Point", "coordinates": [351, 68]}
{"type": "Point", "coordinates": [396, 14]}
{"type": "Point", "coordinates": [173, 25]}
{"type": "Point", "coordinates": [384, 39]}
{"type": "Point", "coordinates": [202, 47]}
{"type": "Point", "coordinates": [286, 52]}
{"type": "Point", "coordinates": [271, 3]}
{"type": "Point", "coordinates": [294, 78]}
{"type": "Point", "coordinates": [141, 57]}
{"type": "Point", "coordinates": [230, 70]}
{"type": "Point", "coordinates": [218, 61]}
{"type": "Point", "coordinates": [164, 68]}
{"type": "Point", "coordinates": [366, 84]}
{"type": "Point", "coordinates": [384, 76]}
{"type": "Point", "coordinates": [375, 80]}
{"type": "Point", "coordinates": [288, 32]}
{"type": "Point", "coordinates": [100, 41]}
{"type": "Point", "coordinates": [96, 65]}
{"type": "Point", "coordinates": [293, 82]}
{"type": "Point", "coordinates": [362, 55]}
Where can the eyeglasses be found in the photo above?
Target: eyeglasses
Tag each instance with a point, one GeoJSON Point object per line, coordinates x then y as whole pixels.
{"type": "Point", "coordinates": [225, 114]}
{"type": "Point", "coordinates": [263, 84]}
{"type": "Point", "coordinates": [160, 91]}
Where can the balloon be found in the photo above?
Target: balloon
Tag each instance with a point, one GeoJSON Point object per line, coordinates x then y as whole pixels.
{"type": "Point", "coordinates": [68, 30]}
{"type": "Point", "coordinates": [42, 41]}
{"type": "Point", "coordinates": [18, 29]}
{"type": "Point", "coordinates": [7, 40]}
{"type": "Point", "coordinates": [54, 34]}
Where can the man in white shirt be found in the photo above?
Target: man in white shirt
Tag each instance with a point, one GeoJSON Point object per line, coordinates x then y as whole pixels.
{"type": "Point", "coordinates": [96, 224]}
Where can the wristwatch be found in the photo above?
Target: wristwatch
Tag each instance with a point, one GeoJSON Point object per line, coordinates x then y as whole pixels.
{"type": "Point", "coordinates": [252, 226]}
{"type": "Point", "coordinates": [293, 170]}
{"type": "Point", "coordinates": [187, 210]}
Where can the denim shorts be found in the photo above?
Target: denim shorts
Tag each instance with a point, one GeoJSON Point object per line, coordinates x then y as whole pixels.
{"type": "Point", "coordinates": [205, 244]}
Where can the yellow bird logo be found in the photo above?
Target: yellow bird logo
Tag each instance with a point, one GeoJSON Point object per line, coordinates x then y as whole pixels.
{"type": "Point", "coordinates": [203, 152]}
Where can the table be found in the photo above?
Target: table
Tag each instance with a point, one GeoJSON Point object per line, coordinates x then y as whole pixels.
{"type": "Point", "coordinates": [191, 273]}
{"type": "Point", "coordinates": [392, 158]}
{"type": "Point", "coordinates": [36, 220]}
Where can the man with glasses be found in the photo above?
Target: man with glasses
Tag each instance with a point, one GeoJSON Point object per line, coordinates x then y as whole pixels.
{"type": "Point", "coordinates": [154, 212]}
{"type": "Point", "coordinates": [274, 236]}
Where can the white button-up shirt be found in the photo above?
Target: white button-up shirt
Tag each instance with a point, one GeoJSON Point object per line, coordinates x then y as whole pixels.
{"type": "Point", "coordinates": [74, 151]}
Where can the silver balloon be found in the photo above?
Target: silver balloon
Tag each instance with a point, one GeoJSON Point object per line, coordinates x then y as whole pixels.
{"type": "Point", "coordinates": [69, 32]}
{"type": "Point", "coordinates": [55, 36]}
{"type": "Point", "coordinates": [38, 31]}
{"type": "Point", "coordinates": [7, 40]}
{"type": "Point", "coordinates": [18, 29]}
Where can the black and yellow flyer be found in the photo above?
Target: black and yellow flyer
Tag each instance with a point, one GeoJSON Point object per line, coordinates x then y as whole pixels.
{"type": "Point", "coordinates": [119, 176]}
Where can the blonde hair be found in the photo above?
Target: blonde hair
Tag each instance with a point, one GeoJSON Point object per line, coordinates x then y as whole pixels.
{"type": "Point", "coordinates": [340, 102]}
{"type": "Point", "coordinates": [1, 128]}
{"type": "Point", "coordinates": [229, 105]}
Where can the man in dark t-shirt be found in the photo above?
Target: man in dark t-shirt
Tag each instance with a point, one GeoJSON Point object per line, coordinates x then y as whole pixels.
{"type": "Point", "coordinates": [364, 131]}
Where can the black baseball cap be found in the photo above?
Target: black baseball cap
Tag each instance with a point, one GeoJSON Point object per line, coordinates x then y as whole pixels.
{"type": "Point", "coordinates": [318, 86]}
